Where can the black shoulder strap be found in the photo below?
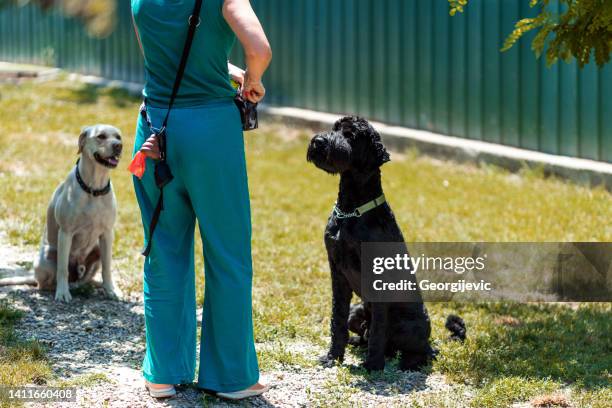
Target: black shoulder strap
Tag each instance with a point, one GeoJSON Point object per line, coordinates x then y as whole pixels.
{"type": "Point", "coordinates": [194, 22]}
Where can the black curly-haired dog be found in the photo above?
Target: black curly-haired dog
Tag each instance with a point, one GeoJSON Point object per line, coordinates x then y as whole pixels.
{"type": "Point", "coordinates": [354, 150]}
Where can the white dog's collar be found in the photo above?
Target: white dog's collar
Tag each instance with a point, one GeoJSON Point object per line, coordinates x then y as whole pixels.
{"type": "Point", "coordinates": [86, 188]}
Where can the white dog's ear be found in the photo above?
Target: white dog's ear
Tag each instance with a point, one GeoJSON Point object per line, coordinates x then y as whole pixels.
{"type": "Point", "coordinates": [82, 138]}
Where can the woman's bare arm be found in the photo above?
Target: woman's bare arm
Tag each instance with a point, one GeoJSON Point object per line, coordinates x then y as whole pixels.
{"type": "Point", "coordinates": [242, 19]}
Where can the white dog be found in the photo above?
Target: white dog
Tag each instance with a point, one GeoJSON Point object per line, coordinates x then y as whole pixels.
{"type": "Point", "coordinates": [78, 236]}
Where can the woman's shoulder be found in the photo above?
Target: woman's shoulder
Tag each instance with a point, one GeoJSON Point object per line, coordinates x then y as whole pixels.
{"type": "Point", "coordinates": [210, 8]}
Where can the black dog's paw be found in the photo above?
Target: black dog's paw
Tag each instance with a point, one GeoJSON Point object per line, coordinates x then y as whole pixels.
{"type": "Point", "coordinates": [374, 365]}
{"type": "Point", "coordinates": [329, 360]}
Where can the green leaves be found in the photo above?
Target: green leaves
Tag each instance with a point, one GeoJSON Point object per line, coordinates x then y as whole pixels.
{"type": "Point", "coordinates": [457, 6]}
{"type": "Point", "coordinates": [525, 25]}
{"type": "Point", "coordinates": [581, 30]}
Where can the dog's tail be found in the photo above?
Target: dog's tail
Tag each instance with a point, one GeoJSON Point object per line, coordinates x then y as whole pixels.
{"type": "Point", "coordinates": [19, 280]}
{"type": "Point", "coordinates": [456, 326]}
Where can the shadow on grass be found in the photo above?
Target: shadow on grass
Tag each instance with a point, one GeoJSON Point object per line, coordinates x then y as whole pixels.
{"type": "Point", "coordinates": [90, 94]}
{"type": "Point", "coordinates": [540, 342]}
{"type": "Point", "coordinates": [389, 382]}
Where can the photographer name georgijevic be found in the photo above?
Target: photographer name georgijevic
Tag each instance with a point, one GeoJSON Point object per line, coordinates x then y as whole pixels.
{"type": "Point", "coordinates": [481, 271]}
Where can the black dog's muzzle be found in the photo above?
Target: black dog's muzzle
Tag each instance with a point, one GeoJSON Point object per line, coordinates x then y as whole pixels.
{"type": "Point", "coordinates": [330, 152]}
{"type": "Point", "coordinates": [316, 149]}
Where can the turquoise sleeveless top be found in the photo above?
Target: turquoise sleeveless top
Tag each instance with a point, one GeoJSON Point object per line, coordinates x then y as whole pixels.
{"type": "Point", "coordinates": [162, 28]}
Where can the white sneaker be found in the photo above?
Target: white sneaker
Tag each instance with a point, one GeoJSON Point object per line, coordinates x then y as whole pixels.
{"type": "Point", "coordinates": [165, 392]}
{"type": "Point", "coordinates": [238, 395]}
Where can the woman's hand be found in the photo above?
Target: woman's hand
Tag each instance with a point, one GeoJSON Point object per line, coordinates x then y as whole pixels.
{"type": "Point", "coordinates": [150, 148]}
{"type": "Point", "coordinates": [236, 74]}
{"type": "Point", "coordinates": [253, 90]}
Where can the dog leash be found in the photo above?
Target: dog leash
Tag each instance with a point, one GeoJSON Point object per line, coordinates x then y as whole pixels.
{"type": "Point", "coordinates": [163, 175]}
{"type": "Point", "coordinates": [362, 209]}
{"type": "Point", "coordinates": [103, 191]}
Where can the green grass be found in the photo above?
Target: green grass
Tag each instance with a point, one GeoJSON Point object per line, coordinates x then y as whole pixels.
{"type": "Point", "coordinates": [503, 392]}
{"type": "Point", "coordinates": [551, 347]}
{"type": "Point", "coordinates": [21, 362]}
{"type": "Point", "coordinates": [277, 354]}
{"type": "Point", "coordinates": [84, 380]}
{"type": "Point", "coordinates": [551, 342]}
{"type": "Point", "coordinates": [335, 391]}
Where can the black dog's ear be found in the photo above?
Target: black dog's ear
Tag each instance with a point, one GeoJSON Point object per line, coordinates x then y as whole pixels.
{"type": "Point", "coordinates": [82, 138]}
{"type": "Point", "coordinates": [375, 154]}
{"type": "Point", "coordinates": [381, 153]}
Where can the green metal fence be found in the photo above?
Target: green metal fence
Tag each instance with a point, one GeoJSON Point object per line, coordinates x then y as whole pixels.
{"type": "Point", "coordinates": [405, 62]}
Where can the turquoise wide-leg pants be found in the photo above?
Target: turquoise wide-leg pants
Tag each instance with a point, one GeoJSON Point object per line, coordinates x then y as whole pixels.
{"type": "Point", "coordinates": [205, 151]}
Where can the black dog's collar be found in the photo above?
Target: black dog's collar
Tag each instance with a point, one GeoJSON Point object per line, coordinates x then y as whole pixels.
{"type": "Point", "coordinates": [86, 188]}
{"type": "Point", "coordinates": [362, 209]}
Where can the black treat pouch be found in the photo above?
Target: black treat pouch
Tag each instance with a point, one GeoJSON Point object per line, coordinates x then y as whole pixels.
{"type": "Point", "coordinates": [163, 175]}
{"type": "Point", "coordinates": [248, 113]}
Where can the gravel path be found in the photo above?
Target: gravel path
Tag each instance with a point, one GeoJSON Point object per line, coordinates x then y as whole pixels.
{"type": "Point", "coordinates": [93, 337]}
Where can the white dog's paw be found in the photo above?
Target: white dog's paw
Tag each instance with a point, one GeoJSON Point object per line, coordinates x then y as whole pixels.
{"type": "Point", "coordinates": [112, 292]}
{"type": "Point", "coordinates": [62, 293]}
